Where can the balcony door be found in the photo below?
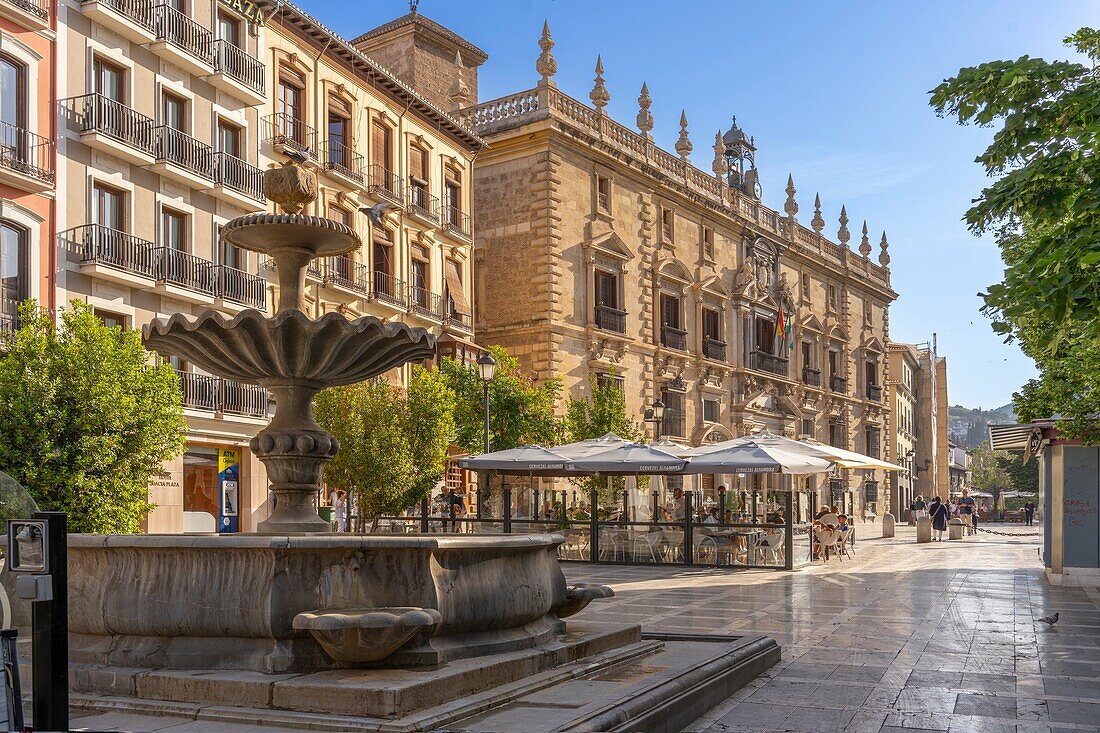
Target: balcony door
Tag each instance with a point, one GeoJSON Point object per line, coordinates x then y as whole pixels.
{"type": "Point", "coordinates": [229, 29]}
{"type": "Point", "coordinates": [174, 230]}
{"type": "Point", "coordinates": [110, 81]}
{"type": "Point", "coordinates": [229, 139]}
{"type": "Point", "coordinates": [174, 112]}
{"type": "Point", "coordinates": [608, 316]}
{"type": "Point", "coordinates": [290, 104]}
{"type": "Point", "coordinates": [338, 138]}
{"type": "Point", "coordinates": [13, 96]}
{"type": "Point", "coordinates": [712, 325]}
{"type": "Point", "coordinates": [13, 275]}
{"type": "Point", "coordinates": [381, 147]}
{"type": "Point", "coordinates": [110, 208]}
{"type": "Point", "coordinates": [765, 335]}
{"type": "Point", "coordinates": [870, 372]}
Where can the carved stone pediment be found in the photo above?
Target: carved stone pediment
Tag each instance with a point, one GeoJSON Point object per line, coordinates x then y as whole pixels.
{"type": "Point", "coordinates": [607, 350]}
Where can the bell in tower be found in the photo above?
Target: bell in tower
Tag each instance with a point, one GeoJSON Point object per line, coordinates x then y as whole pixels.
{"type": "Point", "coordinates": [741, 161]}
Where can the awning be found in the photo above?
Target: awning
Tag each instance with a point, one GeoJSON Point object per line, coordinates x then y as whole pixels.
{"type": "Point", "coordinates": [851, 459]}
{"type": "Point", "coordinates": [533, 459]}
{"type": "Point", "coordinates": [1012, 437]}
{"type": "Point", "coordinates": [583, 448]}
{"type": "Point", "coordinates": [629, 459]}
{"type": "Point", "coordinates": [454, 289]}
{"type": "Point", "coordinates": [762, 453]}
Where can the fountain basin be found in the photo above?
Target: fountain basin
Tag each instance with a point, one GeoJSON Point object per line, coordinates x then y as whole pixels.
{"type": "Point", "coordinates": [229, 602]}
{"type": "Point", "coordinates": [360, 635]}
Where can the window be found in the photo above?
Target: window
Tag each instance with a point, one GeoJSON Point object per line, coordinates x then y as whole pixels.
{"type": "Point", "coordinates": [458, 303]}
{"type": "Point", "coordinates": [111, 320]}
{"type": "Point", "coordinates": [607, 289]}
{"type": "Point", "coordinates": [871, 440]}
{"type": "Point", "coordinates": [452, 197]}
{"type": "Point", "coordinates": [867, 311]}
{"type": "Point", "coordinates": [765, 335]}
{"type": "Point", "coordinates": [712, 324]}
{"type": "Point", "coordinates": [339, 138]}
{"type": "Point", "coordinates": [708, 243]}
{"type": "Point", "coordinates": [13, 270]}
{"type": "Point", "coordinates": [673, 421]}
{"type": "Point", "coordinates": [832, 304]}
{"type": "Point", "coordinates": [603, 194]}
{"type": "Point", "coordinates": [109, 207]}
{"type": "Point", "coordinates": [712, 411]}
{"type": "Point", "coordinates": [807, 429]}
{"type": "Point", "coordinates": [13, 104]}
{"type": "Point", "coordinates": [834, 363]}
{"type": "Point", "coordinates": [110, 80]}
{"type": "Point", "coordinates": [668, 222]}
{"type": "Point", "coordinates": [805, 286]}
{"type": "Point", "coordinates": [670, 311]}
{"type": "Point", "coordinates": [173, 230]}
{"type": "Point", "coordinates": [419, 275]}
{"type": "Point", "coordinates": [807, 355]}
{"type": "Point", "coordinates": [604, 380]}
{"type": "Point", "coordinates": [871, 373]}
{"type": "Point", "coordinates": [383, 256]}
{"type": "Point", "coordinates": [229, 139]}
{"type": "Point", "coordinates": [174, 112]}
{"type": "Point", "coordinates": [418, 165]}
{"type": "Point", "coordinates": [836, 433]}
{"type": "Point", "coordinates": [289, 106]}
{"type": "Point", "coordinates": [381, 146]}
{"type": "Point", "coordinates": [229, 28]}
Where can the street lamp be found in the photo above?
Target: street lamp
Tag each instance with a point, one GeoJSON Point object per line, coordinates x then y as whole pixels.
{"type": "Point", "coordinates": [659, 415]}
{"type": "Point", "coordinates": [486, 367]}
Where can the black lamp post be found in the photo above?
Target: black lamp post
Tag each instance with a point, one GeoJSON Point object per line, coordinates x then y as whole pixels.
{"type": "Point", "coordinates": [659, 415]}
{"type": "Point", "coordinates": [486, 367]}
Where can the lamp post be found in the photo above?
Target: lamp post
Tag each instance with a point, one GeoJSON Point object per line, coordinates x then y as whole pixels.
{"type": "Point", "coordinates": [659, 415]}
{"type": "Point", "coordinates": [486, 367]}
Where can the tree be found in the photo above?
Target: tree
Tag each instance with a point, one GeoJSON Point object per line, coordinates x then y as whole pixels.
{"type": "Point", "coordinates": [86, 417]}
{"type": "Point", "coordinates": [601, 413]}
{"type": "Point", "coordinates": [393, 442]}
{"type": "Point", "coordinates": [520, 412]}
{"type": "Point", "coordinates": [989, 473]}
{"type": "Point", "coordinates": [1045, 209]}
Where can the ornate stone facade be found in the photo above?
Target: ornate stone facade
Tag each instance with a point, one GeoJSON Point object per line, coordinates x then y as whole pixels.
{"type": "Point", "coordinates": [599, 253]}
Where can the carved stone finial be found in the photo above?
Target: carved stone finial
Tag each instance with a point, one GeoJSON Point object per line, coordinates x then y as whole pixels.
{"type": "Point", "coordinates": [865, 243]}
{"type": "Point", "coordinates": [645, 117]}
{"type": "Point", "coordinates": [884, 254]}
{"type": "Point", "coordinates": [719, 166]}
{"type": "Point", "coordinates": [791, 207]}
{"type": "Point", "coordinates": [817, 223]}
{"type": "Point", "coordinates": [599, 94]}
{"type": "Point", "coordinates": [842, 234]}
{"type": "Point", "coordinates": [460, 92]}
{"type": "Point", "coordinates": [291, 187]}
{"type": "Point", "coordinates": [546, 65]}
{"type": "Point", "coordinates": [683, 144]}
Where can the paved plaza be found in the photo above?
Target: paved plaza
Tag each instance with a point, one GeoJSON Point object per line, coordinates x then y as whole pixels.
{"type": "Point", "coordinates": [899, 637]}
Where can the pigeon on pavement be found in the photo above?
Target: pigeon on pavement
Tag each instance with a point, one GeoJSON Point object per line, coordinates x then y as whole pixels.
{"type": "Point", "coordinates": [1050, 620]}
{"type": "Point", "coordinates": [298, 156]}
{"type": "Point", "coordinates": [374, 213]}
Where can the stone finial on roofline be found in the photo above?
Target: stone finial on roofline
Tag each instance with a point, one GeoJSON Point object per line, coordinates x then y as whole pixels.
{"type": "Point", "coordinates": [817, 223]}
{"type": "Point", "coordinates": [865, 243]}
{"type": "Point", "coordinates": [599, 94]}
{"type": "Point", "coordinates": [645, 117]}
{"type": "Point", "coordinates": [683, 144]}
{"type": "Point", "coordinates": [842, 234]}
{"type": "Point", "coordinates": [791, 206]}
{"type": "Point", "coordinates": [546, 65]}
{"type": "Point", "coordinates": [884, 254]}
{"type": "Point", "coordinates": [719, 166]}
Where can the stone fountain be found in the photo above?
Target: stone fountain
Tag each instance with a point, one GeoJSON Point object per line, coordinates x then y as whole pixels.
{"type": "Point", "coordinates": [399, 632]}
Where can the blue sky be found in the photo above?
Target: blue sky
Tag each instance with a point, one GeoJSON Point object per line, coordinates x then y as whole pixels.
{"type": "Point", "coordinates": [834, 92]}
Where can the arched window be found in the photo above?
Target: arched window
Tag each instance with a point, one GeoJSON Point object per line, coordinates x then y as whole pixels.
{"type": "Point", "coordinates": [13, 270]}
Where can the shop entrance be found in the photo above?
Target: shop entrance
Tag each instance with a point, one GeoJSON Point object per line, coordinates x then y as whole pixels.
{"type": "Point", "coordinates": [210, 490]}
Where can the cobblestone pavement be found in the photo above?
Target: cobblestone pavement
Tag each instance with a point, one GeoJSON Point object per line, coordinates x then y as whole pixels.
{"type": "Point", "coordinates": [940, 636]}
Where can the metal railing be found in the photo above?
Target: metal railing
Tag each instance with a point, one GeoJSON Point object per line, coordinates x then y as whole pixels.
{"type": "Point", "coordinates": [289, 132]}
{"type": "Point", "coordinates": [343, 160]}
{"type": "Point", "coordinates": [387, 288]}
{"type": "Point", "coordinates": [178, 148]}
{"type": "Point", "coordinates": [9, 322]}
{"type": "Point", "coordinates": [38, 9]}
{"type": "Point", "coordinates": [425, 303]}
{"type": "Point", "coordinates": [459, 320]}
{"type": "Point", "coordinates": [384, 183]}
{"type": "Point", "coordinates": [811, 377]}
{"type": "Point", "coordinates": [456, 221]}
{"type": "Point", "coordinates": [139, 11]}
{"type": "Point", "coordinates": [214, 394]}
{"type": "Point", "coordinates": [234, 173]}
{"type": "Point", "coordinates": [838, 384]}
{"type": "Point", "coordinates": [99, 114]}
{"type": "Point", "coordinates": [714, 349]}
{"type": "Point", "coordinates": [764, 362]}
{"type": "Point", "coordinates": [674, 338]}
{"type": "Point", "coordinates": [610, 319]}
{"type": "Point", "coordinates": [874, 393]}
{"type": "Point", "coordinates": [422, 203]}
{"type": "Point", "coordinates": [241, 287]}
{"type": "Point", "coordinates": [342, 272]}
{"type": "Point", "coordinates": [315, 269]}
{"type": "Point", "coordinates": [26, 153]}
{"type": "Point", "coordinates": [183, 32]}
{"type": "Point", "coordinates": [186, 270]}
{"type": "Point", "coordinates": [234, 62]}
{"type": "Point", "coordinates": [98, 245]}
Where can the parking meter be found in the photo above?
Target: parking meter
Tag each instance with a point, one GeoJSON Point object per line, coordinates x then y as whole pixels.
{"type": "Point", "coordinates": [37, 552]}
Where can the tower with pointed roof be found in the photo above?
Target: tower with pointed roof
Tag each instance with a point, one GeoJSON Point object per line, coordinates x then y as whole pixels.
{"type": "Point", "coordinates": [741, 161]}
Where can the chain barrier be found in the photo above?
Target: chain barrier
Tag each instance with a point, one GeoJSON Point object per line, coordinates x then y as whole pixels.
{"type": "Point", "coordinates": [1008, 534]}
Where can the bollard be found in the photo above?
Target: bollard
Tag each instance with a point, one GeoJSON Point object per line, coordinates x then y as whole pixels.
{"type": "Point", "coordinates": [924, 529]}
{"type": "Point", "coordinates": [955, 528]}
{"type": "Point", "coordinates": [887, 525]}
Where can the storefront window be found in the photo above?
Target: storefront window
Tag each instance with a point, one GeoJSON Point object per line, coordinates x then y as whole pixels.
{"type": "Point", "coordinates": [200, 489]}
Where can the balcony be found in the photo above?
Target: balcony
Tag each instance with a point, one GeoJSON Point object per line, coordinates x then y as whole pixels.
{"type": "Point", "coordinates": [674, 338]}
{"type": "Point", "coordinates": [344, 165]}
{"type": "Point", "coordinates": [838, 384]}
{"type": "Point", "coordinates": [461, 321]}
{"type": "Point", "coordinates": [457, 223]}
{"type": "Point", "coordinates": [182, 41]}
{"type": "Point", "coordinates": [714, 349]}
{"type": "Point", "coordinates": [812, 377]}
{"type": "Point", "coordinates": [237, 182]}
{"type": "Point", "coordinates": [239, 288]}
{"type": "Point", "coordinates": [185, 276]}
{"type": "Point", "coordinates": [764, 362]}
{"type": "Point", "coordinates": [26, 159]}
{"type": "Point", "coordinates": [386, 288]}
{"type": "Point", "coordinates": [422, 204]}
{"type": "Point", "coordinates": [132, 19]}
{"type": "Point", "coordinates": [34, 15]}
{"type": "Point", "coordinates": [384, 185]}
{"type": "Point", "coordinates": [349, 278]}
{"type": "Point", "coordinates": [183, 158]}
{"type": "Point", "coordinates": [874, 393]}
{"type": "Point", "coordinates": [610, 319]}
{"type": "Point", "coordinates": [214, 394]}
{"type": "Point", "coordinates": [113, 255]}
{"type": "Point", "coordinates": [113, 127]}
{"type": "Point", "coordinates": [9, 322]}
{"type": "Point", "coordinates": [425, 303]}
{"type": "Point", "coordinates": [237, 73]}
{"type": "Point", "coordinates": [284, 132]}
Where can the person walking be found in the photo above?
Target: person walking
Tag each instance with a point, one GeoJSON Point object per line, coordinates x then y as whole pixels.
{"type": "Point", "coordinates": [940, 514]}
{"type": "Point", "coordinates": [340, 509]}
{"type": "Point", "coordinates": [967, 513]}
{"type": "Point", "coordinates": [920, 507]}
{"type": "Point", "coordinates": [1029, 512]}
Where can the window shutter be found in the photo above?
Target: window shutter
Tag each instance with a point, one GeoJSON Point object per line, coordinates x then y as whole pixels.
{"type": "Point", "coordinates": [454, 289]}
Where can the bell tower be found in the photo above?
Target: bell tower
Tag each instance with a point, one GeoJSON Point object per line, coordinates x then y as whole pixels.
{"type": "Point", "coordinates": [740, 154]}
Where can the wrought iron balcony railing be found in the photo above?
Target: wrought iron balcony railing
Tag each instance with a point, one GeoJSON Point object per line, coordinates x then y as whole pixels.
{"type": "Point", "coordinates": [186, 270]}
{"type": "Point", "coordinates": [422, 203]}
{"type": "Point", "coordinates": [180, 149]}
{"type": "Point", "coordinates": [874, 393]}
{"type": "Point", "coordinates": [610, 319]}
{"type": "Point", "coordinates": [460, 320]}
{"type": "Point", "coordinates": [285, 130]}
{"type": "Point", "coordinates": [214, 394]}
{"type": "Point", "coordinates": [838, 384]}
{"type": "Point", "coordinates": [384, 183]}
{"type": "Point", "coordinates": [99, 114]}
{"type": "Point", "coordinates": [811, 377]}
{"type": "Point", "coordinates": [37, 8]}
{"type": "Point", "coordinates": [456, 221]}
{"type": "Point", "coordinates": [26, 153]}
{"type": "Point", "coordinates": [241, 287]}
{"type": "Point", "coordinates": [764, 362]}
{"type": "Point", "coordinates": [138, 11]}
{"type": "Point", "coordinates": [234, 173]}
{"type": "Point", "coordinates": [99, 245]}
{"type": "Point", "coordinates": [714, 349]}
{"type": "Point", "coordinates": [387, 288]}
{"type": "Point", "coordinates": [344, 273]}
{"type": "Point", "coordinates": [425, 303]}
{"type": "Point", "coordinates": [183, 32]}
{"type": "Point", "coordinates": [674, 338]}
{"type": "Point", "coordinates": [343, 160]}
{"type": "Point", "coordinates": [235, 63]}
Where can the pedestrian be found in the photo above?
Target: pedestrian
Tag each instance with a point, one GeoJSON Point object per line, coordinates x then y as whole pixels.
{"type": "Point", "coordinates": [1029, 512]}
{"type": "Point", "coordinates": [940, 514]}
{"type": "Point", "coordinates": [920, 507]}
{"type": "Point", "coordinates": [340, 509]}
{"type": "Point", "coordinates": [967, 513]}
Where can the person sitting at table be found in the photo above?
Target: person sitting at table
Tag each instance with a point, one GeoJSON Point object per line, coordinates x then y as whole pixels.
{"type": "Point", "coordinates": [728, 519]}
{"type": "Point", "coordinates": [674, 508]}
{"type": "Point", "coordinates": [712, 517]}
{"type": "Point", "coordinates": [547, 510]}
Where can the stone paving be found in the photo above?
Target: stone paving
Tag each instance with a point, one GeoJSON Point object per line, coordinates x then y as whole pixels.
{"type": "Point", "coordinates": [902, 636]}
{"type": "Point", "coordinates": [939, 637]}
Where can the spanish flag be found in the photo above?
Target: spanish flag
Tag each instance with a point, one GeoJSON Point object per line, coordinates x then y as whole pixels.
{"type": "Point", "coordinates": [783, 329]}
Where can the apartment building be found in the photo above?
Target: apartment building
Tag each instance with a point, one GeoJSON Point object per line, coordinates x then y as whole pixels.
{"type": "Point", "coordinates": [920, 441]}
{"type": "Point", "coordinates": [28, 41]}
{"type": "Point", "coordinates": [902, 390]}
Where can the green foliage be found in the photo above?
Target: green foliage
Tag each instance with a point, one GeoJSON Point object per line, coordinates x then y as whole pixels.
{"type": "Point", "coordinates": [520, 412]}
{"type": "Point", "coordinates": [1044, 207]}
{"type": "Point", "coordinates": [996, 471]}
{"type": "Point", "coordinates": [393, 443]}
{"type": "Point", "coordinates": [601, 413]}
{"type": "Point", "coordinates": [85, 418]}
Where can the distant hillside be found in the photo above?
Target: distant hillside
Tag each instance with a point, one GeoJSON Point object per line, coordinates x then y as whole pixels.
{"type": "Point", "coordinates": [968, 427]}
